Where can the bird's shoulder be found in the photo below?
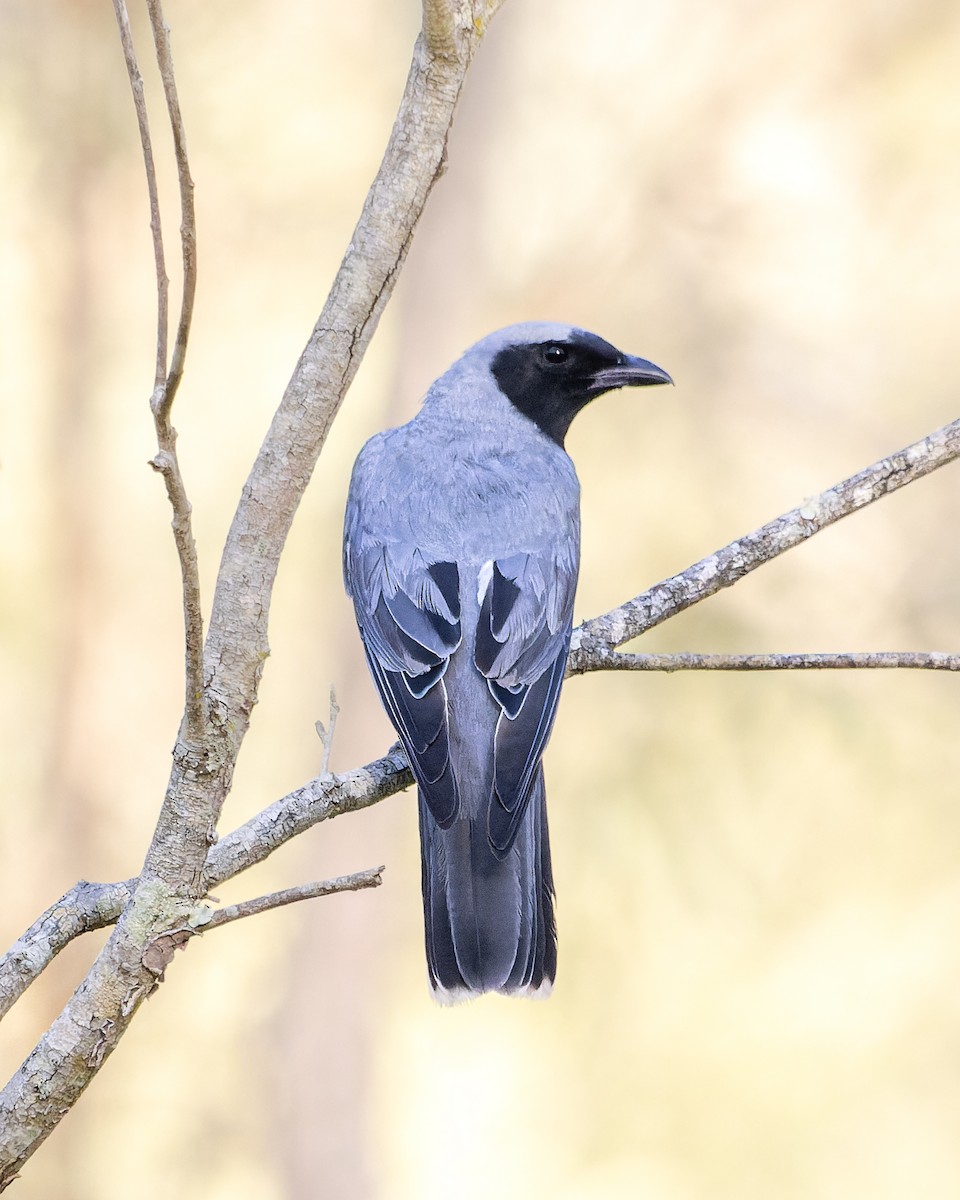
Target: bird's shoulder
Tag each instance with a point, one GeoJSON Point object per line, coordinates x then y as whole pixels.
{"type": "Point", "coordinates": [453, 453]}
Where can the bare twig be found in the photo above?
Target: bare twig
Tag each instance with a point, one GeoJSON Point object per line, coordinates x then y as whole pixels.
{"type": "Point", "coordinates": [166, 382]}
{"type": "Point", "coordinates": [326, 732]}
{"type": "Point", "coordinates": [306, 891]}
{"type": "Point", "coordinates": [156, 230]}
{"type": "Point", "coordinates": [166, 461]}
{"type": "Point", "coordinates": [188, 219]}
{"type": "Point", "coordinates": [612, 660]}
{"type": "Point", "coordinates": [726, 566]}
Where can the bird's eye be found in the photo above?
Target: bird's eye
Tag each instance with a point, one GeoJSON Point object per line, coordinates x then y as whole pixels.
{"type": "Point", "coordinates": [555, 354]}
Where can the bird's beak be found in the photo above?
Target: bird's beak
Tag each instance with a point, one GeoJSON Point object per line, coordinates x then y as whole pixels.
{"type": "Point", "coordinates": [631, 372]}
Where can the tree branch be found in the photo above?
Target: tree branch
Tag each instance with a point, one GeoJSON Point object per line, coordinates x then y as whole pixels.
{"type": "Point", "coordinates": [449, 25]}
{"type": "Point", "coordinates": [306, 891]}
{"type": "Point", "coordinates": [237, 644]}
{"type": "Point", "coordinates": [166, 383]}
{"type": "Point", "coordinates": [611, 660]}
{"type": "Point", "coordinates": [89, 906]}
{"type": "Point", "coordinates": [156, 228]}
{"type": "Point", "coordinates": [739, 558]}
{"type": "Point", "coordinates": [188, 218]}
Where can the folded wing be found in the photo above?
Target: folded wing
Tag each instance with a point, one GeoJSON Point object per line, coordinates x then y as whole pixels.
{"type": "Point", "coordinates": [408, 610]}
{"type": "Point", "coordinates": [523, 636]}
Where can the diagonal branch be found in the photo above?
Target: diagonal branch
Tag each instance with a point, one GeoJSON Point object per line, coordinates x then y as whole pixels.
{"type": "Point", "coordinates": [726, 566]}
{"type": "Point", "coordinates": [360, 880]}
{"type": "Point", "coordinates": [414, 160]}
{"type": "Point", "coordinates": [87, 906]}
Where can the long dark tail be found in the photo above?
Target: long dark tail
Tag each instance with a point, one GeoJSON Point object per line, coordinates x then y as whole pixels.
{"type": "Point", "coordinates": [489, 922]}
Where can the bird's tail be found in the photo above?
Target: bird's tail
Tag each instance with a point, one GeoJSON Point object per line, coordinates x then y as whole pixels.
{"type": "Point", "coordinates": [489, 921]}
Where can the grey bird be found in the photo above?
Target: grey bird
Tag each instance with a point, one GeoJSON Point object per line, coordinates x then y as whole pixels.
{"type": "Point", "coordinates": [461, 552]}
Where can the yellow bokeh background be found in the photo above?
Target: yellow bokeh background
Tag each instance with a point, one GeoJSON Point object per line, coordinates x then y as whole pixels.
{"type": "Point", "coordinates": [758, 876]}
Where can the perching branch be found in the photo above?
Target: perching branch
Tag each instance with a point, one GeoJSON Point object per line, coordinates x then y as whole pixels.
{"type": "Point", "coordinates": [611, 660]}
{"type": "Point", "coordinates": [739, 558]}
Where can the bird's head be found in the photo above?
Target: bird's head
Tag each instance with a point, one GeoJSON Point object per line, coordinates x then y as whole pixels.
{"type": "Point", "coordinates": [549, 372]}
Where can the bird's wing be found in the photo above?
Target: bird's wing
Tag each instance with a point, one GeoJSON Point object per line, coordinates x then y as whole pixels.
{"type": "Point", "coordinates": [523, 635]}
{"type": "Point", "coordinates": [408, 610]}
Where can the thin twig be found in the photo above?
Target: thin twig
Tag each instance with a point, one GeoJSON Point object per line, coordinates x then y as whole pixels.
{"type": "Point", "coordinates": [370, 878]}
{"type": "Point", "coordinates": [612, 660]}
{"type": "Point", "coordinates": [739, 558]}
{"type": "Point", "coordinates": [166, 382]}
{"type": "Point", "coordinates": [143, 124]}
{"type": "Point", "coordinates": [188, 219]}
{"type": "Point", "coordinates": [326, 732]}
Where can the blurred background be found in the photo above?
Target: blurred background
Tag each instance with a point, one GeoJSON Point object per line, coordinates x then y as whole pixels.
{"type": "Point", "coordinates": [758, 876]}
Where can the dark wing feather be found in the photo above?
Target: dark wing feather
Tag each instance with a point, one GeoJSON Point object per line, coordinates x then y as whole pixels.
{"type": "Point", "coordinates": [408, 611]}
{"type": "Point", "coordinates": [523, 636]}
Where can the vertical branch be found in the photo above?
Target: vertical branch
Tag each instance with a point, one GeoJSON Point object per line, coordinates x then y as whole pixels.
{"type": "Point", "coordinates": [167, 381]}
{"type": "Point", "coordinates": [188, 219]}
{"type": "Point", "coordinates": [143, 124]}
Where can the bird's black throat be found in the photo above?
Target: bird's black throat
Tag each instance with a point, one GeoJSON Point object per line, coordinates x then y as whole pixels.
{"type": "Point", "coordinates": [550, 382]}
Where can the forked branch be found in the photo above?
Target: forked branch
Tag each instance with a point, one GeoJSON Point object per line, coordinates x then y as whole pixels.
{"type": "Point", "coordinates": [167, 379]}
